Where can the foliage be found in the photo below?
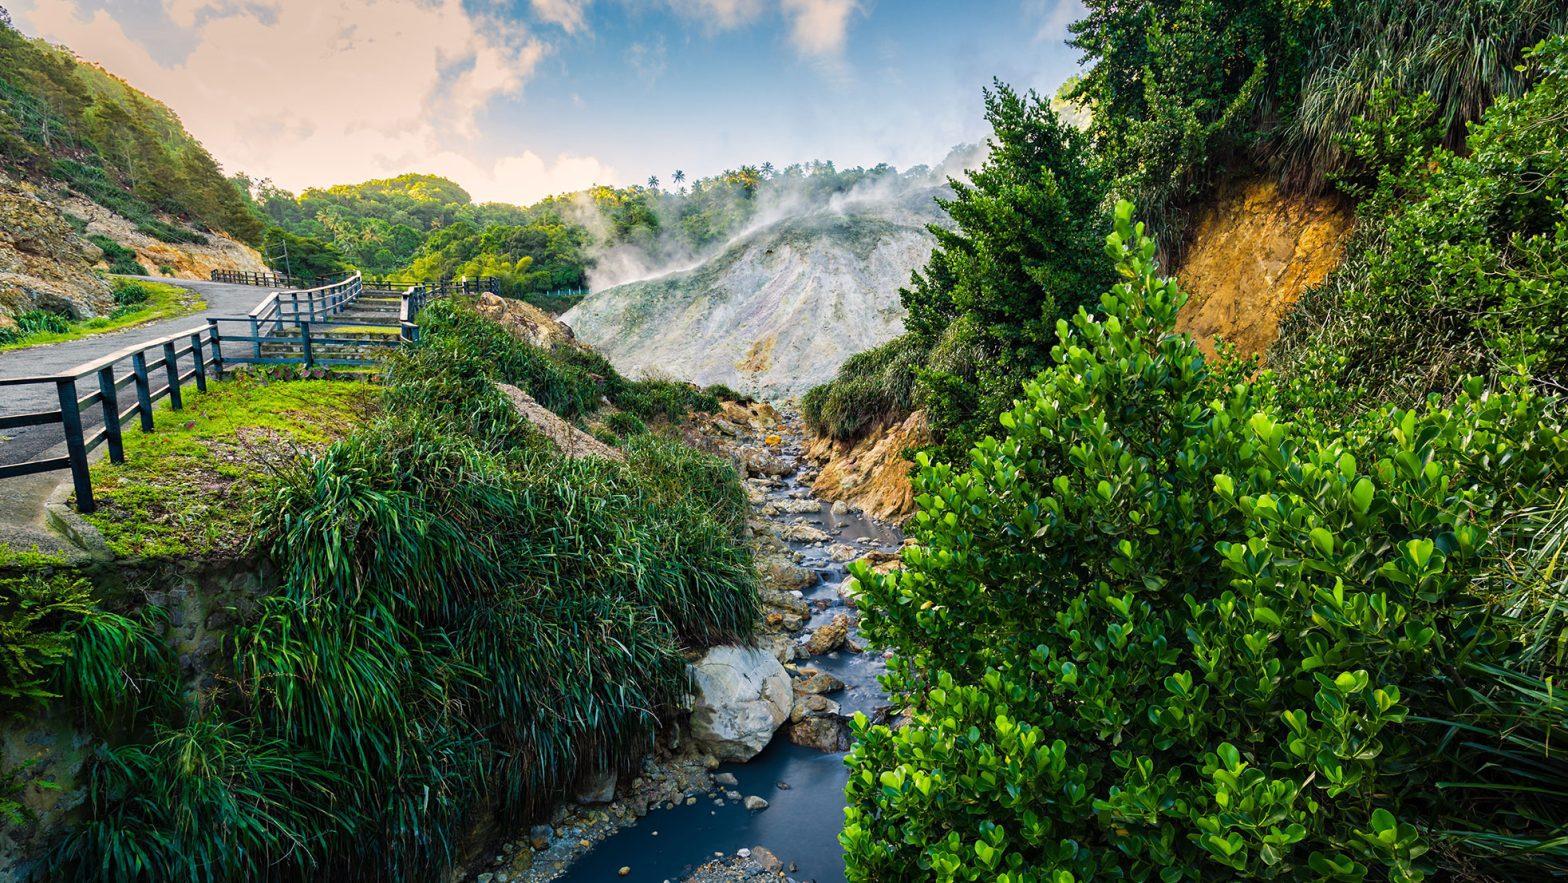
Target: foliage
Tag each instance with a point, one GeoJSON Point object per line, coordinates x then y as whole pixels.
{"type": "Point", "coordinates": [982, 313]}
{"type": "Point", "coordinates": [872, 388]}
{"type": "Point", "coordinates": [1183, 89]}
{"type": "Point", "coordinates": [467, 623]}
{"type": "Point", "coordinates": [1159, 629]}
{"type": "Point", "coordinates": [1461, 262]}
{"type": "Point", "coordinates": [37, 618]}
{"type": "Point", "coordinates": [304, 257]}
{"type": "Point", "coordinates": [80, 125]}
{"type": "Point", "coordinates": [119, 258]}
{"type": "Point", "coordinates": [543, 257]}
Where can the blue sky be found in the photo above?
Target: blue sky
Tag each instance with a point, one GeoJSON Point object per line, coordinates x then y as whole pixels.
{"type": "Point", "coordinates": [516, 99]}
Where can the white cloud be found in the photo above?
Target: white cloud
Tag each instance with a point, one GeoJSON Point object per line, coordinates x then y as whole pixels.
{"type": "Point", "coordinates": [1053, 16]}
{"type": "Point", "coordinates": [819, 27]}
{"type": "Point", "coordinates": [719, 14]}
{"type": "Point", "coordinates": [521, 179]}
{"type": "Point", "coordinates": [310, 93]}
{"type": "Point", "coordinates": [570, 15]}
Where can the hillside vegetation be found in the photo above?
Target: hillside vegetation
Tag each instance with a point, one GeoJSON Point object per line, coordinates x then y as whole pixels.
{"type": "Point", "coordinates": [70, 122]}
{"type": "Point", "coordinates": [463, 622]}
{"type": "Point", "coordinates": [1186, 616]}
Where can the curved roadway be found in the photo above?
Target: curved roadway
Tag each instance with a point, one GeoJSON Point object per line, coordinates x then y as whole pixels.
{"type": "Point", "coordinates": [30, 443]}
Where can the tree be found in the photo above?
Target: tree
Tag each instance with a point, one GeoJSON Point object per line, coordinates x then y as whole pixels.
{"type": "Point", "coordinates": [679, 177]}
{"type": "Point", "coordinates": [653, 182]}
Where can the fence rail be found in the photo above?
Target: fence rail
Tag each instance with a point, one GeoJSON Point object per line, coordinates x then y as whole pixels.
{"type": "Point", "coordinates": [149, 380]}
{"type": "Point", "coordinates": [266, 280]}
{"type": "Point", "coordinates": [288, 327]}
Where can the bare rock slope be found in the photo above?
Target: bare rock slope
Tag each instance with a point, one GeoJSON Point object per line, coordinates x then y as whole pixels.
{"type": "Point", "coordinates": [777, 311]}
{"type": "Point", "coordinates": [43, 263]}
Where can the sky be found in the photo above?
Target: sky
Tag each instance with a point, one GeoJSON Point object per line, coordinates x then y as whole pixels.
{"type": "Point", "coordinates": [519, 99]}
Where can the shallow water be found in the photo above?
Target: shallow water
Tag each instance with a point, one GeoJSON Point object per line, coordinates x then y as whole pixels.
{"type": "Point", "coordinates": [802, 821]}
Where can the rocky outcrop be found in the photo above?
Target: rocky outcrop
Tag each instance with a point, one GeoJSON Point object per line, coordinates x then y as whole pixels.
{"type": "Point", "coordinates": [871, 474]}
{"type": "Point", "coordinates": [527, 322]}
{"type": "Point", "coordinates": [740, 696]}
{"type": "Point", "coordinates": [180, 260]}
{"type": "Point", "coordinates": [777, 311]}
{"type": "Point", "coordinates": [44, 265]}
{"type": "Point", "coordinates": [568, 439]}
{"type": "Point", "coordinates": [1253, 252]}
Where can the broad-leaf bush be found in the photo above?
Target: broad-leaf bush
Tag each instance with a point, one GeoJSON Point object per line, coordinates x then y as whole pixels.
{"type": "Point", "coordinates": [1160, 628]}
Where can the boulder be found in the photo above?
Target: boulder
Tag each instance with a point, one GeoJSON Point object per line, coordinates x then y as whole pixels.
{"type": "Point", "coordinates": [570, 440]}
{"type": "Point", "coordinates": [818, 682]}
{"type": "Point", "coordinates": [802, 533]}
{"type": "Point", "coordinates": [829, 637]}
{"type": "Point", "coordinates": [740, 697]}
{"type": "Point", "coordinates": [527, 322]}
{"type": "Point", "coordinates": [779, 574]}
{"type": "Point", "coordinates": [598, 789]}
{"type": "Point", "coordinates": [822, 732]}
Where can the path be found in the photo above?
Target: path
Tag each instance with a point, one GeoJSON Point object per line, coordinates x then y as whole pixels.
{"type": "Point", "coordinates": [21, 499]}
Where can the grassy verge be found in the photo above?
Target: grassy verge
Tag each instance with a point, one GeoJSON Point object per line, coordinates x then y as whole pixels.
{"type": "Point", "coordinates": [185, 489]}
{"type": "Point", "coordinates": [137, 303]}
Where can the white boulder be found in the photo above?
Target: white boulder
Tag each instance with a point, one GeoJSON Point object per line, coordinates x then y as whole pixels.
{"type": "Point", "coordinates": [740, 696]}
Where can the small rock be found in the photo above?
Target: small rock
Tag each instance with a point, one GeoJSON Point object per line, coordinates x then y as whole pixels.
{"type": "Point", "coordinates": [727, 779]}
{"type": "Point", "coordinates": [539, 836]}
{"type": "Point", "coordinates": [819, 682]}
{"type": "Point", "coordinates": [755, 803]}
{"type": "Point", "coordinates": [625, 872]}
{"type": "Point", "coordinates": [829, 637]}
{"type": "Point", "coordinates": [765, 858]}
{"type": "Point", "coordinates": [743, 852]}
{"type": "Point", "coordinates": [840, 507]}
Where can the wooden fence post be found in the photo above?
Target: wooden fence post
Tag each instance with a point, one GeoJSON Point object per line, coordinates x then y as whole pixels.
{"type": "Point", "coordinates": [201, 362]}
{"type": "Point", "coordinates": [304, 342]}
{"type": "Point", "coordinates": [143, 390]}
{"type": "Point", "coordinates": [217, 348]}
{"type": "Point", "coordinates": [75, 445]}
{"type": "Point", "coordinates": [111, 414]}
{"type": "Point", "coordinates": [171, 370]}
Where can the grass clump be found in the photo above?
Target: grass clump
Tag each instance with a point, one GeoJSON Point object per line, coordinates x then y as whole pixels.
{"type": "Point", "coordinates": [136, 303]}
{"type": "Point", "coordinates": [873, 388]}
{"type": "Point", "coordinates": [466, 622]}
{"type": "Point", "coordinates": [184, 489]}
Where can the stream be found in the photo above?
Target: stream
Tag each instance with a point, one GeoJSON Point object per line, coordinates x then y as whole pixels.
{"type": "Point", "coordinates": [804, 786]}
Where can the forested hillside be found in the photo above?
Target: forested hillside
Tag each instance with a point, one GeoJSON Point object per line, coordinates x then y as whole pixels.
{"type": "Point", "coordinates": [71, 122]}
{"type": "Point", "coordinates": [427, 227]}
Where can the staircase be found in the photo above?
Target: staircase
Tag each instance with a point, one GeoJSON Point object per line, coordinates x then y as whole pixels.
{"type": "Point", "coordinates": [363, 332]}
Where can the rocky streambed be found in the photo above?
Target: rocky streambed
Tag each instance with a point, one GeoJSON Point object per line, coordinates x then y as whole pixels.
{"type": "Point", "coordinates": [751, 786]}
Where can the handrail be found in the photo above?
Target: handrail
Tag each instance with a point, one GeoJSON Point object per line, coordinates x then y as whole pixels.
{"type": "Point", "coordinates": [287, 327]}
{"type": "Point", "coordinates": [199, 343]}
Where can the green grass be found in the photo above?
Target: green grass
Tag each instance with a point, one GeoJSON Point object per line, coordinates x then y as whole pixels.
{"type": "Point", "coordinates": [184, 490]}
{"type": "Point", "coordinates": [156, 302]}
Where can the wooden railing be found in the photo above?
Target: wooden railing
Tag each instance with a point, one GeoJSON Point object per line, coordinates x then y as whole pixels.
{"type": "Point", "coordinates": [150, 381]}
{"type": "Point", "coordinates": [267, 280]}
{"type": "Point", "coordinates": [287, 327]}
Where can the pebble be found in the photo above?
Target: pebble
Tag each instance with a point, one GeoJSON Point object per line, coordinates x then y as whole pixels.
{"type": "Point", "coordinates": [755, 803]}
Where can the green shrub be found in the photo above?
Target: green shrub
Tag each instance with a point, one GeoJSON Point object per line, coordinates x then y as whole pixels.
{"type": "Point", "coordinates": [34, 322]}
{"type": "Point", "coordinates": [119, 258]}
{"type": "Point", "coordinates": [1460, 265]}
{"type": "Point", "coordinates": [872, 388]}
{"type": "Point", "coordinates": [624, 423]}
{"type": "Point", "coordinates": [38, 617]}
{"type": "Point", "coordinates": [1159, 630]}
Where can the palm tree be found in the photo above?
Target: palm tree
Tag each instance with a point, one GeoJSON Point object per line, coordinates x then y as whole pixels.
{"type": "Point", "coordinates": [679, 176]}
{"type": "Point", "coordinates": [653, 182]}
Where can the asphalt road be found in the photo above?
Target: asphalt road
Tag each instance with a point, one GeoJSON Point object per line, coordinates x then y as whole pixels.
{"type": "Point", "coordinates": [20, 445]}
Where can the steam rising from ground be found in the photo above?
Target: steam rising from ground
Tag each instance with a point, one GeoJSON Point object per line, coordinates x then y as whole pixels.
{"type": "Point", "coordinates": [900, 196]}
